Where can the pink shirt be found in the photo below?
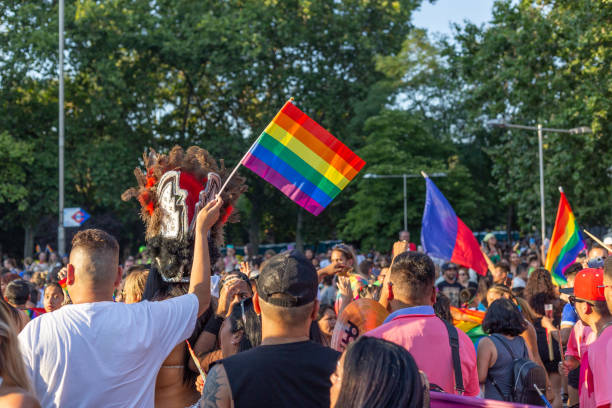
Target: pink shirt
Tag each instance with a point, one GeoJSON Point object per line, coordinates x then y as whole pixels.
{"type": "Point", "coordinates": [425, 336]}
{"type": "Point", "coordinates": [600, 363]}
{"type": "Point", "coordinates": [580, 337]}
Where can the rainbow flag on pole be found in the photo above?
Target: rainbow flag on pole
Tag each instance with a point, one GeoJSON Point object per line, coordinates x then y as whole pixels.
{"type": "Point", "coordinates": [566, 242]}
{"type": "Point", "coordinates": [302, 159]}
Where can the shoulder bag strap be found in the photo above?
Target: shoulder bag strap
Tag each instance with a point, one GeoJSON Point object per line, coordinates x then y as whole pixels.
{"type": "Point", "coordinates": [453, 338]}
{"type": "Point", "coordinates": [492, 381]}
{"type": "Point", "coordinates": [503, 342]}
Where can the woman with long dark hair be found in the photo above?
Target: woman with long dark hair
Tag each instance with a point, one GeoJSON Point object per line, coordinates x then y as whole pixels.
{"type": "Point", "coordinates": [241, 330]}
{"type": "Point", "coordinates": [504, 324]}
{"type": "Point", "coordinates": [378, 374]}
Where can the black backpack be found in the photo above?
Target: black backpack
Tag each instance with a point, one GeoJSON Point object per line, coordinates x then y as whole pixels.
{"type": "Point", "coordinates": [526, 373]}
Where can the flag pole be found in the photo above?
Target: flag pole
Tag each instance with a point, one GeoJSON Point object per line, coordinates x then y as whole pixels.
{"type": "Point", "coordinates": [424, 174]}
{"type": "Point", "coordinates": [244, 157]}
{"type": "Point", "coordinates": [598, 241]}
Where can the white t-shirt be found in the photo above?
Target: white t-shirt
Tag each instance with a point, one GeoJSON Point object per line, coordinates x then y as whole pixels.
{"type": "Point", "coordinates": [104, 354]}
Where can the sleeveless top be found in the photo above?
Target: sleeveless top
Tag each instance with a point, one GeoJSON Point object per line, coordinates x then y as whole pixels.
{"type": "Point", "coordinates": [552, 366]}
{"type": "Point", "coordinates": [283, 375]}
{"type": "Point", "coordinates": [502, 371]}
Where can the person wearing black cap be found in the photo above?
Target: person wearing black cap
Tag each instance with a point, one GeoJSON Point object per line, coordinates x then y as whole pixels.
{"type": "Point", "coordinates": [287, 369]}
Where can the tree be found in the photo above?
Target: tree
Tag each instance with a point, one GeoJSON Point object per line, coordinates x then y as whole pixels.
{"type": "Point", "coordinates": [542, 62]}
{"type": "Point", "coordinates": [398, 142]}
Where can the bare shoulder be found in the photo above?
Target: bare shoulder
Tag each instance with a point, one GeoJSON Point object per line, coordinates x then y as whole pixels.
{"type": "Point", "coordinates": [17, 398]}
{"type": "Point", "coordinates": [217, 392]}
{"type": "Point", "coordinates": [485, 344]}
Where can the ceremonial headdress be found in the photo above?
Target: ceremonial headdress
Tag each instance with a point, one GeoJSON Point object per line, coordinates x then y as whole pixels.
{"type": "Point", "coordinates": [172, 190]}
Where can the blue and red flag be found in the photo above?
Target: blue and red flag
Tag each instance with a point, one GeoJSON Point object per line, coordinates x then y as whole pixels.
{"type": "Point", "coordinates": [445, 236]}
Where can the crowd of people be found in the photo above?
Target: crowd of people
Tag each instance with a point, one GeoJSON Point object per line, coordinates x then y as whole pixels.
{"type": "Point", "coordinates": [275, 330]}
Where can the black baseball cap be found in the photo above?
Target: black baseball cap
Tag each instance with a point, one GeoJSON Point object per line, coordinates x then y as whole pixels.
{"type": "Point", "coordinates": [288, 280]}
{"type": "Point", "coordinates": [448, 265]}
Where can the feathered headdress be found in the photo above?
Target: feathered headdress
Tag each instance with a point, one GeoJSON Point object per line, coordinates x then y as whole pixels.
{"type": "Point", "coordinates": [172, 190]}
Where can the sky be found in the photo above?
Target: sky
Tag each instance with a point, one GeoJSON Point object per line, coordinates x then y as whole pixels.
{"type": "Point", "coordinates": [436, 18]}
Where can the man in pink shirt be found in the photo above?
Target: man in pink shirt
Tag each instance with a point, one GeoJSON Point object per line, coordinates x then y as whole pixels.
{"type": "Point", "coordinates": [414, 325]}
{"type": "Point", "coordinates": [587, 297]}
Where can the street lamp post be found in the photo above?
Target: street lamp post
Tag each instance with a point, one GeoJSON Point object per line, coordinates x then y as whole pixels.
{"type": "Point", "coordinates": [540, 130]}
{"type": "Point", "coordinates": [404, 177]}
{"type": "Point", "coordinates": [61, 243]}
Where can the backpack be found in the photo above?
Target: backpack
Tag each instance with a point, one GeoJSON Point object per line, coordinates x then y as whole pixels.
{"type": "Point", "coordinates": [526, 373]}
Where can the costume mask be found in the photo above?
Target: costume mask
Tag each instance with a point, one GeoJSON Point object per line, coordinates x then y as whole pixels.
{"type": "Point", "coordinates": [172, 192]}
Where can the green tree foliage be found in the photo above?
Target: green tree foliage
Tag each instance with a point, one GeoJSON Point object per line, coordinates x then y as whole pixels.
{"type": "Point", "coordinates": [542, 62]}
{"type": "Point", "coordinates": [153, 74]}
{"type": "Point", "coordinates": [15, 156]}
{"type": "Point", "coordinates": [399, 142]}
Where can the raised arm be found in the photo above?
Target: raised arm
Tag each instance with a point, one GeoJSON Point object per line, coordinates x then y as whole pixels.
{"type": "Point", "coordinates": [199, 283]}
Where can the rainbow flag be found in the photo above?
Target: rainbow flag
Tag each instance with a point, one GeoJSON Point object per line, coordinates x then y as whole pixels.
{"type": "Point", "coordinates": [302, 159]}
{"type": "Point", "coordinates": [565, 244]}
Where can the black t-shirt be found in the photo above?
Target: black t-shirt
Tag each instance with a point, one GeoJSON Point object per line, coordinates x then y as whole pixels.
{"type": "Point", "coordinates": [291, 375]}
{"type": "Point", "coordinates": [451, 291]}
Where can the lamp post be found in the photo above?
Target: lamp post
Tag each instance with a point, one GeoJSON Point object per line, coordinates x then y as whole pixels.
{"type": "Point", "coordinates": [540, 130]}
{"type": "Point", "coordinates": [404, 177]}
{"type": "Point", "coordinates": [61, 243]}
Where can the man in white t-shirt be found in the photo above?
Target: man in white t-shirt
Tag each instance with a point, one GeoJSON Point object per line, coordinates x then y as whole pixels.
{"type": "Point", "coordinates": [98, 353]}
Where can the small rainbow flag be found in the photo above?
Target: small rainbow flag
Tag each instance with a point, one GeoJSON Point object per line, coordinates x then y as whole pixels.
{"type": "Point", "coordinates": [302, 159]}
{"type": "Point", "coordinates": [565, 244]}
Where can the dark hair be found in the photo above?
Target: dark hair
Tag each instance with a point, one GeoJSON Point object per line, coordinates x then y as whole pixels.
{"type": "Point", "coordinates": [538, 301]}
{"type": "Point", "coordinates": [505, 318]}
{"type": "Point", "coordinates": [393, 378]}
{"type": "Point", "coordinates": [8, 278]}
{"type": "Point", "coordinates": [95, 239]}
{"type": "Point", "coordinates": [573, 270]}
{"type": "Point", "coordinates": [540, 281]}
{"type": "Point", "coordinates": [503, 265]}
{"type": "Point", "coordinates": [54, 285]}
{"type": "Point", "coordinates": [601, 307]}
{"type": "Point", "coordinates": [365, 266]}
{"type": "Point", "coordinates": [442, 307]}
{"type": "Point", "coordinates": [236, 274]}
{"type": "Point", "coordinates": [347, 251]}
{"type": "Point", "coordinates": [324, 308]}
{"type": "Point", "coordinates": [413, 275]}
{"type": "Point", "coordinates": [248, 322]}
{"type": "Point", "coordinates": [521, 268]}
{"type": "Point", "coordinates": [34, 293]}
{"type": "Point", "coordinates": [17, 292]}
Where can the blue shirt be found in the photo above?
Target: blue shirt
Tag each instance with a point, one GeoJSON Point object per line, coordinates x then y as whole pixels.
{"type": "Point", "coordinates": [568, 316]}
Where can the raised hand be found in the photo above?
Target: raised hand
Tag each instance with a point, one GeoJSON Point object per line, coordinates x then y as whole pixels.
{"type": "Point", "coordinates": [208, 216]}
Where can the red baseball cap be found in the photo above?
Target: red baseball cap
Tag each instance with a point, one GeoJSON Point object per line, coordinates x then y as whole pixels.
{"type": "Point", "coordinates": [586, 285]}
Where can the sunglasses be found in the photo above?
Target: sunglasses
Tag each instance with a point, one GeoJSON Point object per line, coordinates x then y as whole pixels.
{"type": "Point", "coordinates": [573, 300]}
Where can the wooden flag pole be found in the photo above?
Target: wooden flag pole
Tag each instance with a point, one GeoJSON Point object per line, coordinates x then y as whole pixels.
{"type": "Point", "coordinates": [244, 157]}
{"type": "Point", "coordinates": [598, 241]}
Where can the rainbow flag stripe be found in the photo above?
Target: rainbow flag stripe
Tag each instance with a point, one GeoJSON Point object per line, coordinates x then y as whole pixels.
{"type": "Point", "coordinates": [302, 159]}
{"type": "Point", "coordinates": [565, 244]}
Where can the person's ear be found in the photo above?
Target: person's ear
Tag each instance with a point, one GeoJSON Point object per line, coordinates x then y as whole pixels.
{"type": "Point", "coordinates": [237, 337]}
{"type": "Point", "coordinates": [588, 309]}
{"type": "Point", "coordinates": [70, 274]}
{"type": "Point", "coordinates": [433, 295]}
{"type": "Point", "coordinates": [118, 277]}
{"type": "Point", "coordinates": [315, 310]}
{"type": "Point", "coordinates": [256, 306]}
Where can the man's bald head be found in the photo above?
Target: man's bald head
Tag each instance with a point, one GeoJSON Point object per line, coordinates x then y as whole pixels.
{"type": "Point", "coordinates": [95, 256]}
